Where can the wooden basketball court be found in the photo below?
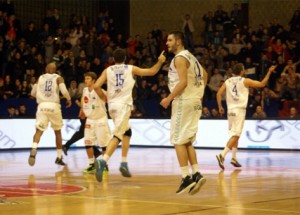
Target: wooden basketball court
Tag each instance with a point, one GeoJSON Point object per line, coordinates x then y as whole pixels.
{"type": "Point", "coordinates": [267, 184]}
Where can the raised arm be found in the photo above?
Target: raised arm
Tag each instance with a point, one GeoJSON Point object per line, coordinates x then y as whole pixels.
{"type": "Point", "coordinates": [150, 71]}
{"type": "Point", "coordinates": [259, 84]}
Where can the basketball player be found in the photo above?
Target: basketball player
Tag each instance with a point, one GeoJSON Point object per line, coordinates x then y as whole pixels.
{"type": "Point", "coordinates": [120, 82]}
{"type": "Point", "coordinates": [46, 92]}
{"type": "Point", "coordinates": [237, 91]}
{"type": "Point", "coordinates": [96, 126]}
{"type": "Point", "coordinates": [187, 81]}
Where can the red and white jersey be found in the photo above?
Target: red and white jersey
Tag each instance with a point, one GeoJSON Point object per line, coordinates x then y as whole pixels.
{"type": "Point", "coordinates": [236, 92]}
{"type": "Point", "coordinates": [47, 89]}
{"type": "Point", "coordinates": [92, 106]}
{"type": "Point", "coordinates": [195, 82]}
{"type": "Point", "coordinates": [120, 83]}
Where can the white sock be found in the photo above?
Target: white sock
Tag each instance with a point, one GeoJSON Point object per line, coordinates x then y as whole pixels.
{"type": "Point", "coordinates": [34, 145]}
{"type": "Point", "coordinates": [91, 160]}
{"type": "Point", "coordinates": [59, 153]}
{"type": "Point", "coordinates": [124, 159]}
{"type": "Point", "coordinates": [184, 171]}
{"type": "Point", "coordinates": [234, 151]}
{"type": "Point", "coordinates": [106, 157]}
{"type": "Point", "coordinates": [195, 168]}
{"type": "Point", "coordinates": [225, 151]}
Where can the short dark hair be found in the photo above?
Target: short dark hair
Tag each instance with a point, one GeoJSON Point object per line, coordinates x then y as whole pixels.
{"type": "Point", "coordinates": [91, 74]}
{"type": "Point", "coordinates": [119, 55]}
{"type": "Point", "coordinates": [178, 36]}
{"type": "Point", "coordinates": [237, 68]}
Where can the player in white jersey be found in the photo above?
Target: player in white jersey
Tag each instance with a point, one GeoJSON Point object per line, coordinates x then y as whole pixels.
{"type": "Point", "coordinates": [46, 91]}
{"type": "Point", "coordinates": [187, 81]}
{"type": "Point", "coordinates": [120, 82]}
{"type": "Point", "coordinates": [96, 126]}
{"type": "Point", "coordinates": [237, 92]}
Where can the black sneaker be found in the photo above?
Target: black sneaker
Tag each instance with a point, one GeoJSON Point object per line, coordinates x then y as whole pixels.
{"type": "Point", "coordinates": [199, 180]}
{"type": "Point", "coordinates": [186, 184]}
{"type": "Point", "coordinates": [31, 159]}
{"type": "Point", "coordinates": [60, 161]}
{"type": "Point", "coordinates": [235, 163]}
{"type": "Point", "coordinates": [65, 149]}
{"type": "Point", "coordinates": [220, 161]}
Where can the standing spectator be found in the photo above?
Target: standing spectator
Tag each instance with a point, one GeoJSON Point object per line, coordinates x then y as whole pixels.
{"type": "Point", "coordinates": [187, 80]}
{"type": "Point", "coordinates": [209, 26]}
{"type": "Point", "coordinates": [188, 29]}
{"type": "Point", "coordinates": [30, 34]}
{"type": "Point", "coordinates": [294, 23]}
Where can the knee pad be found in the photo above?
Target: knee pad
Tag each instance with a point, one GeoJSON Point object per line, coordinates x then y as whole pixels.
{"type": "Point", "coordinates": [128, 132]}
{"type": "Point", "coordinates": [117, 138]}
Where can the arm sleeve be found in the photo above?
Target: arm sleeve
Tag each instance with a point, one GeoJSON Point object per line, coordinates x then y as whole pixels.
{"type": "Point", "coordinates": [64, 91]}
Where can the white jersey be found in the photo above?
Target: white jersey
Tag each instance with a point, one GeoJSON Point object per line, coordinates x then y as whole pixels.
{"type": "Point", "coordinates": [195, 82]}
{"type": "Point", "coordinates": [47, 89]}
{"type": "Point", "coordinates": [236, 93]}
{"type": "Point", "coordinates": [120, 83]}
{"type": "Point", "coordinates": [93, 107]}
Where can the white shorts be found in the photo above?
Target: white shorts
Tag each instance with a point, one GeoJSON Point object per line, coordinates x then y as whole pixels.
{"type": "Point", "coordinates": [120, 114]}
{"type": "Point", "coordinates": [48, 112]}
{"type": "Point", "coordinates": [184, 120]}
{"type": "Point", "coordinates": [236, 119]}
{"type": "Point", "coordinates": [97, 130]}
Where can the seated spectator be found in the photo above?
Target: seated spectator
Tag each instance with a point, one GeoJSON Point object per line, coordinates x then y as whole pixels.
{"type": "Point", "coordinates": [25, 91]}
{"type": "Point", "coordinates": [22, 111]}
{"type": "Point", "coordinates": [12, 112]}
{"type": "Point", "coordinates": [8, 87]}
{"type": "Point", "coordinates": [73, 89]}
{"type": "Point", "coordinates": [2, 90]}
{"type": "Point", "coordinates": [214, 82]}
{"type": "Point", "coordinates": [135, 113]}
{"type": "Point", "coordinates": [291, 89]}
{"type": "Point", "coordinates": [259, 113]}
{"type": "Point", "coordinates": [293, 113]}
{"type": "Point", "coordinates": [17, 88]}
{"type": "Point", "coordinates": [205, 113]}
{"type": "Point", "coordinates": [215, 114]}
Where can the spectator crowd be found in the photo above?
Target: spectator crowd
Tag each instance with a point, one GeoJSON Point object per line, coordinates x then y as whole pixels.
{"type": "Point", "coordinates": [78, 47]}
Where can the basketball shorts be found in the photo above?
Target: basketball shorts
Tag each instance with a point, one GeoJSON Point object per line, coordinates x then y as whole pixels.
{"type": "Point", "coordinates": [236, 120]}
{"type": "Point", "coordinates": [97, 131]}
{"type": "Point", "coordinates": [184, 120]}
{"type": "Point", "coordinates": [120, 114]}
{"type": "Point", "coordinates": [48, 112]}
